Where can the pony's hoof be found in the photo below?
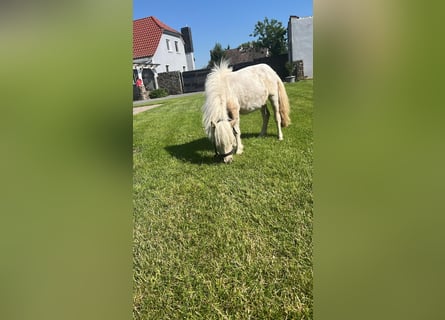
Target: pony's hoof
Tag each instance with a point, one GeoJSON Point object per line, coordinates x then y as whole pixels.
{"type": "Point", "coordinates": [239, 150]}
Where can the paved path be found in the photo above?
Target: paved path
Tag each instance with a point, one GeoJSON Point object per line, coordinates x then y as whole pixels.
{"type": "Point", "coordinates": [142, 109]}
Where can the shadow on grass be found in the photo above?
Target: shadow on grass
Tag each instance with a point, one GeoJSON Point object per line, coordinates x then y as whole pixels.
{"type": "Point", "coordinates": [200, 151]}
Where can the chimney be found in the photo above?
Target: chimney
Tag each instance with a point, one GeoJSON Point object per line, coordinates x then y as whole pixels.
{"type": "Point", "coordinates": [187, 36]}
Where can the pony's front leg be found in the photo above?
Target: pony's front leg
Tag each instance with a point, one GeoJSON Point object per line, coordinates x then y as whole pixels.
{"type": "Point", "coordinates": [239, 144]}
{"type": "Point", "coordinates": [233, 110]}
{"type": "Point", "coordinates": [266, 114]}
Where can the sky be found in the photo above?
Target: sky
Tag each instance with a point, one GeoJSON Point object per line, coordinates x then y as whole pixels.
{"type": "Point", "coordinates": [229, 23]}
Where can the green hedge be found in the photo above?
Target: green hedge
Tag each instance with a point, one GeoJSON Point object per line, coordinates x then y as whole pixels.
{"type": "Point", "coordinates": [158, 93]}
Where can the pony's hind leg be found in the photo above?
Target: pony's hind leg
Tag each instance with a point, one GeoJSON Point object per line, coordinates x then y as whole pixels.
{"type": "Point", "coordinates": [276, 108]}
{"type": "Point", "coordinates": [266, 114]}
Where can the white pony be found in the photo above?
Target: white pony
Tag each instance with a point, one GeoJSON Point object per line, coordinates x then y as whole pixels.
{"type": "Point", "coordinates": [229, 94]}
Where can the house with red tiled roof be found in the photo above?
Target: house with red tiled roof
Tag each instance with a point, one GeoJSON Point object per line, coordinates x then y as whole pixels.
{"type": "Point", "coordinates": [159, 48]}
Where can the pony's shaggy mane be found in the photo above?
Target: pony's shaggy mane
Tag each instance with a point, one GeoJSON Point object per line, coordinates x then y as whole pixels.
{"type": "Point", "coordinates": [216, 90]}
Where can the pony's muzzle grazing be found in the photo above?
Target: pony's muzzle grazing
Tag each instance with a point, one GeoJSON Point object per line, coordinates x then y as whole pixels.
{"type": "Point", "coordinates": [228, 159]}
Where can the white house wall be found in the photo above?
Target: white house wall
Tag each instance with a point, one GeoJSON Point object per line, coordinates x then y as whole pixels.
{"type": "Point", "coordinates": [175, 60]}
{"type": "Point", "coordinates": [302, 43]}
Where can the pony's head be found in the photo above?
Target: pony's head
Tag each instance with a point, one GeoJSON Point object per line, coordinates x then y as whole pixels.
{"type": "Point", "coordinates": [223, 136]}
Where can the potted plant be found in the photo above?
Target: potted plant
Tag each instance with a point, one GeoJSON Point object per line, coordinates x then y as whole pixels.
{"type": "Point", "coordinates": [290, 67]}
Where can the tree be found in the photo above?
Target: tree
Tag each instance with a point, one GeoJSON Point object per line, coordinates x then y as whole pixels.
{"type": "Point", "coordinates": [272, 35]}
{"type": "Point", "coordinates": [216, 54]}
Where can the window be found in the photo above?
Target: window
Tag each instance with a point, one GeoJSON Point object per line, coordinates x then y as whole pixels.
{"type": "Point", "coordinates": [176, 46]}
{"type": "Point", "coordinates": [168, 45]}
{"type": "Point", "coordinates": [166, 68]}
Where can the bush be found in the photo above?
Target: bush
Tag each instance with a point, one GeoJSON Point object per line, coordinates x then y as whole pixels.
{"type": "Point", "coordinates": [290, 68]}
{"type": "Point", "coordinates": [158, 93]}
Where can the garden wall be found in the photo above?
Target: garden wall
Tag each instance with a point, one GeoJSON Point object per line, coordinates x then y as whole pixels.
{"type": "Point", "coordinates": [172, 81]}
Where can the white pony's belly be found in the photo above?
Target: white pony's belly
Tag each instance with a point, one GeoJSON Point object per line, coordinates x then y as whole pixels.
{"type": "Point", "coordinates": [250, 91]}
{"type": "Point", "coordinates": [251, 100]}
{"type": "Point", "coordinates": [249, 109]}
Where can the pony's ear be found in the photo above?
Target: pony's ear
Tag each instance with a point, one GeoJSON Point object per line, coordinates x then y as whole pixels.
{"type": "Point", "coordinates": [212, 124]}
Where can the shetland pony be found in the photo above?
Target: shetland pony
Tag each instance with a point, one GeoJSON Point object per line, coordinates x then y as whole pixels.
{"type": "Point", "coordinates": [229, 94]}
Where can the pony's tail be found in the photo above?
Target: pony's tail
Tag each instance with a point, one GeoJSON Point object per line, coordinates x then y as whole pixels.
{"type": "Point", "coordinates": [283, 102]}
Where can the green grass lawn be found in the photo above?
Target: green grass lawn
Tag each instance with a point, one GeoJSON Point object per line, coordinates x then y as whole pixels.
{"type": "Point", "coordinates": [217, 241]}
